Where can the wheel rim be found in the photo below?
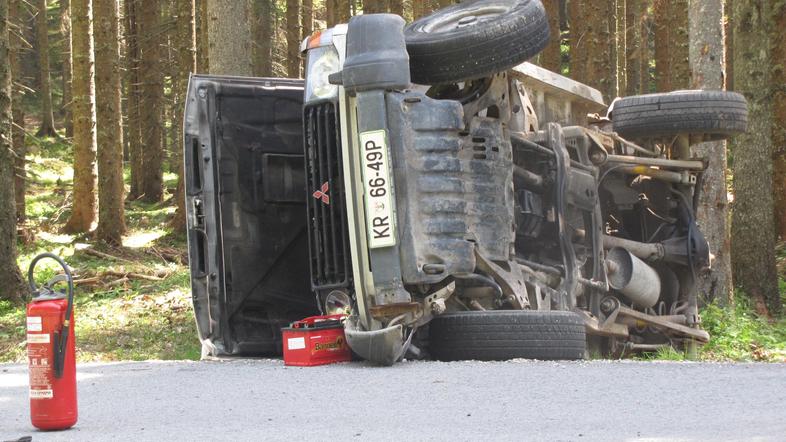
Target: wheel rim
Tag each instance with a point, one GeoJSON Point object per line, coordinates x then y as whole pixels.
{"type": "Point", "coordinates": [463, 19]}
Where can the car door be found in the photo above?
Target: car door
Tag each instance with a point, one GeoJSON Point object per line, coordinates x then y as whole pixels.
{"type": "Point", "coordinates": [246, 206]}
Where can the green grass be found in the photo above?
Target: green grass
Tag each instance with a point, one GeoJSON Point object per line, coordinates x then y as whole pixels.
{"type": "Point", "coordinates": [116, 318]}
{"type": "Point", "coordinates": [738, 334]}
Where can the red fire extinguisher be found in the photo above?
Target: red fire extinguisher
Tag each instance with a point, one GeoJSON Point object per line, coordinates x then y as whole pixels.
{"type": "Point", "coordinates": [50, 350]}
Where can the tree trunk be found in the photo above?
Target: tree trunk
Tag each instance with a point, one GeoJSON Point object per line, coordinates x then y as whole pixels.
{"type": "Point", "coordinates": [13, 287]}
{"type": "Point", "coordinates": [633, 46]}
{"type": "Point", "coordinates": [45, 84]}
{"type": "Point", "coordinates": [264, 38]}
{"type": "Point", "coordinates": [778, 41]}
{"type": "Point", "coordinates": [229, 37]}
{"type": "Point", "coordinates": [578, 39]}
{"type": "Point", "coordinates": [307, 19]}
{"type": "Point", "coordinates": [621, 48]}
{"type": "Point", "coordinates": [111, 210]}
{"type": "Point", "coordinates": [728, 55]}
{"type": "Point", "coordinates": [293, 38]}
{"type": "Point", "coordinates": [753, 226]}
{"type": "Point", "coordinates": [203, 38]}
{"type": "Point", "coordinates": [374, 6]}
{"type": "Point", "coordinates": [83, 212]}
{"type": "Point", "coordinates": [672, 71]}
{"type": "Point", "coordinates": [133, 135]}
{"type": "Point", "coordinates": [396, 7]}
{"type": "Point", "coordinates": [592, 44]}
{"type": "Point", "coordinates": [551, 57]}
{"type": "Point", "coordinates": [151, 100]}
{"type": "Point", "coordinates": [186, 62]}
{"type": "Point", "coordinates": [18, 113]}
{"type": "Point", "coordinates": [646, 50]}
{"type": "Point", "coordinates": [65, 30]}
{"type": "Point", "coordinates": [344, 10]}
{"type": "Point", "coordinates": [706, 62]}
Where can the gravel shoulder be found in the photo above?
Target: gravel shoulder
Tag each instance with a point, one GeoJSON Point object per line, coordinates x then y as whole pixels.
{"type": "Point", "coordinates": [515, 400]}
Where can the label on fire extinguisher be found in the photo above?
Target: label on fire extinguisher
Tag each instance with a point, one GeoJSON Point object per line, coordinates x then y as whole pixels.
{"type": "Point", "coordinates": [38, 364]}
{"type": "Point", "coordinates": [34, 324]}
{"type": "Point", "coordinates": [38, 338]}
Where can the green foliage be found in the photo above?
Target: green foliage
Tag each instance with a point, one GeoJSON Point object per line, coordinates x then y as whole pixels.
{"type": "Point", "coordinates": [738, 334]}
{"type": "Point", "coordinates": [117, 316]}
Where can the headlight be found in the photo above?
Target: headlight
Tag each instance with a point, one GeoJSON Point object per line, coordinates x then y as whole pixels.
{"type": "Point", "coordinates": [322, 62]}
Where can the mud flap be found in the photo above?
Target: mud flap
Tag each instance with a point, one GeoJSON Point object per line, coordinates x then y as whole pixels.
{"type": "Point", "coordinates": [383, 347]}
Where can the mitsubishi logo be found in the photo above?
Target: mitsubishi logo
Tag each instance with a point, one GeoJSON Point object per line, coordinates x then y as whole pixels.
{"type": "Point", "coordinates": [323, 193]}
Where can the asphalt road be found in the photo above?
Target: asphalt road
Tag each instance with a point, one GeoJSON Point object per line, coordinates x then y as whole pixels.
{"type": "Point", "coordinates": [516, 400]}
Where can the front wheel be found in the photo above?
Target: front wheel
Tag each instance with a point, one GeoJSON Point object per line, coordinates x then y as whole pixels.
{"type": "Point", "coordinates": [475, 39]}
{"type": "Point", "coordinates": [508, 334]}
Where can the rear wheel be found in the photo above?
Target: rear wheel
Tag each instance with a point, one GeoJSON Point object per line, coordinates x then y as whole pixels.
{"type": "Point", "coordinates": [474, 39]}
{"type": "Point", "coordinates": [507, 334]}
{"type": "Point", "coordinates": [715, 114]}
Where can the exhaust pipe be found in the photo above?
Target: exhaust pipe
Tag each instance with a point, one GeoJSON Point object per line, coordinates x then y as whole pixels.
{"type": "Point", "coordinates": [632, 277]}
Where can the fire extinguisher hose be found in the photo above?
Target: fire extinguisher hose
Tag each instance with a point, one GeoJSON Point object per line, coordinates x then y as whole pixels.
{"type": "Point", "coordinates": [61, 339]}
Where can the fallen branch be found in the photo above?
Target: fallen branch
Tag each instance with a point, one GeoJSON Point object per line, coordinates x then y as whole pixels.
{"type": "Point", "coordinates": [133, 275]}
{"type": "Point", "coordinates": [98, 254]}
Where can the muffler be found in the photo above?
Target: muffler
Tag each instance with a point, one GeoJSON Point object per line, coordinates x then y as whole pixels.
{"type": "Point", "coordinates": [632, 277]}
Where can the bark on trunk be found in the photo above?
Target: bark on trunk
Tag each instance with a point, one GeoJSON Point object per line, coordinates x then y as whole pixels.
{"type": "Point", "coordinates": [396, 7]}
{"type": "Point", "coordinates": [186, 62]}
{"type": "Point", "coordinates": [307, 19]}
{"type": "Point", "coordinates": [202, 37]}
{"type": "Point", "coordinates": [263, 37]}
{"type": "Point", "coordinates": [13, 287]}
{"type": "Point", "coordinates": [111, 198]}
{"type": "Point", "coordinates": [83, 212]}
{"type": "Point", "coordinates": [646, 50]}
{"type": "Point", "coordinates": [706, 62]}
{"type": "Point", "coordinates": [551, 57]}
{"type": "Point", "coordinates": [778, 39]}
{"type": "Point", "coordinates": [592, 45]}
{"type": "Point", "coordinates": [17, 111]}
{"type": "Point", "coordinates": [622, 48]}
{"type": "Point", "coordinates": [133, 133]}
{"type": "Point", "coordinates": [578, 39]}
{"type": "Point", "coordinates": [633, 45]}
{"type": "Point", "coordinates": [293, 38]}
{"type": "Point", "coordinates": [374, 6]}
{"type": "Point", "coordinates": [672, 71]}
{"type": "Point", "coordinates": [151, 101]}
{"type": "Point", "coordinates": [753, 226]}
{"type": "Point", "coordinates": [44, 82]}
{"type": "Point", "coordinates": [65, 31]}
{"type": "Point", "coordinates": [229, 37]}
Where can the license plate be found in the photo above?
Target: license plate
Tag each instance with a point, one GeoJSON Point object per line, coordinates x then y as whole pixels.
{"type": "Point", "coordinates": [377, 189]}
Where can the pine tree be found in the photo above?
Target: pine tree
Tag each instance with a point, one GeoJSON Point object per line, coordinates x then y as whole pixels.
{"type": "Point", "coordinates": [672, 71]}
{"type": "Point", "coordinates": [264, 38]}
{"type": "Point", "coordinates": [18, 113]}
{"type": "Point", "coordinates": [293, 38]}
{"type": "Point", "coordinates": [551, 57]}
{"type": "Point", "coordinates": [706, 62]}
{"type": "Point", "coordinates": [65, 31]}
{"type": "Point", "coordinates": [229, 37]}
{"type": "Point", "coordinates": [111, 191]}
{"type": "Point", "coordinates": [13, 287]}
{"type": "Point", "coordinates": [633, 47]}
{"type": "Point", "coordinates": [45, 83]}
{"type": "Point", "coordinates": [753, 226]}
{"type": "Point", "coordinates": [151, 100]}
{"type": "Point", "coordinates": [83, 211]}
{"type": "Point", "coordinates": [133, 133]}
{"type": "Point", "coordinates": [778, 43]}
{"type": "Point", "coordinates": [186, 63]}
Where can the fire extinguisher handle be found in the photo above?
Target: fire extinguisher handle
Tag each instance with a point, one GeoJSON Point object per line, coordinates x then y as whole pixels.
{"type": "Point", "coordinates": [61, 338]}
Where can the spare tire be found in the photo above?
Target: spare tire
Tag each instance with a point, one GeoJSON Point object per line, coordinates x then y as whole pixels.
{"type": "Point", "coordinates": [507, 334]}
{"type": "Point", "coordinates": [474, 39]}
{"type": "Point", "coordinates": [716, 114]}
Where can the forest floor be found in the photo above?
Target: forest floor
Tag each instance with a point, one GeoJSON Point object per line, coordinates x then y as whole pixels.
{"type": "Point", "coordinates": [133, 302]}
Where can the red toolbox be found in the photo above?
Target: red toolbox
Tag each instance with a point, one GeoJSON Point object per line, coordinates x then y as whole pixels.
{"type": "Point", "coordinates": [317, 340]}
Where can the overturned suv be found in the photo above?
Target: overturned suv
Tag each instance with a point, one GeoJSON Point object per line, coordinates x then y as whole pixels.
{"type": "Point", "coordinates": [454, 200]}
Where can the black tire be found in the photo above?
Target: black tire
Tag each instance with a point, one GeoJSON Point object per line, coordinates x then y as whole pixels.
{"type": "Point", "coordinates": [716, 114]}
{"type": "Point", "coordinates": [504, 34]}
{"type": "Point", "coordinates": [507, 334]}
